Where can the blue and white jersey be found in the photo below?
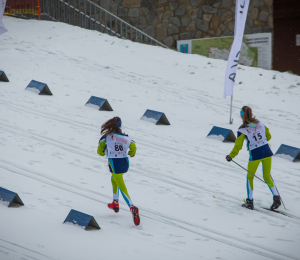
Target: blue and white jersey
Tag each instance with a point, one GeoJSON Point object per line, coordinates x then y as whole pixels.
{"type": "Point", "coordinates": [115, 147]}
{"type": "Point", "coordinates": [257, 143]}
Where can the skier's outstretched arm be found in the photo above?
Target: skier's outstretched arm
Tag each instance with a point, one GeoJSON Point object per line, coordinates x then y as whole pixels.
{"type": "Point", "coordinates": [238, 145]}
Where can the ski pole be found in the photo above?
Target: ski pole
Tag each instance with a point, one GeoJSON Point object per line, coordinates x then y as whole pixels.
{"type": "Point", "coordinates": [278, 192]}
{"type": "Point", "coordinates": [263, 181]}
{"type": "Point", "coordinates": [251, 173]}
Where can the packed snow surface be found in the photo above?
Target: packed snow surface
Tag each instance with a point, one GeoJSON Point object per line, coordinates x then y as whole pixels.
{"type": "Point", "coordinates": [48, 150]}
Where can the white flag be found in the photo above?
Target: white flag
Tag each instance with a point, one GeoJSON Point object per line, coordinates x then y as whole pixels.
{"type": "Point", "coordinates": [2, 8]}
{"type": "Point", "coordinates": [241, 11]}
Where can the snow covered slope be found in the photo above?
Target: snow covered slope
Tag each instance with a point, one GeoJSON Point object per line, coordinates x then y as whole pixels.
{"type": "Point", "coordinates": [48, 151]}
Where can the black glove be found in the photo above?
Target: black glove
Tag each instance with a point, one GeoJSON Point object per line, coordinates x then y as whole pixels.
{"type": "Point", "coordinates": [228, 158]}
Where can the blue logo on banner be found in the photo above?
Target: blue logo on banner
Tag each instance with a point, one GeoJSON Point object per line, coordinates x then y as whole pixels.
{"type": "Point", "coordinates": [184, 48]}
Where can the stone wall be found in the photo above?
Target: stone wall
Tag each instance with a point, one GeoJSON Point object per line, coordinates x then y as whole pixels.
{"type": "Point", "coordinates": [172, 20]}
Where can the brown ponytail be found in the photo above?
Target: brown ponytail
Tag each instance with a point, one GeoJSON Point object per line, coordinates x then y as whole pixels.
{"type": "Point", "coordinates": [248, 116]}
{"type": "Point", "coordinates": [111, 126]}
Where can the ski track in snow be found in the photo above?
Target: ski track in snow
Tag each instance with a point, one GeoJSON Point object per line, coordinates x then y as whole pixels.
{"type": "Point", "coordinates": [93, 129]}
{"type": "Point", "coordinates": [205, 232]}
{"type": "Point", "coordinates": [89, 155]}
{"type": "Point", "coordinates": [18, 250]}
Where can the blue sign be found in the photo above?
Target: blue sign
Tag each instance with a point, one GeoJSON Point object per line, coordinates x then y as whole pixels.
{"type": "Point", "coordinates": [288, 152]}
{"type": "Point", "coordinates": [184, 48]}
{"type": "Point", "coordinates": [158, 118]}
{"type": "Point", "coordinates": [81, 220]}
{"type": "Point", "coordinates": [99, 102]}
{"type": "Point", "coordinates": [222, 134]}
{"type": "Point", "coordinates": [8, 197]}
{"type": "Point", "coordinates": [39, 88]}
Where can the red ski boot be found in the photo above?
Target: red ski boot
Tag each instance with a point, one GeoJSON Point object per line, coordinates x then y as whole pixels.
{"type": "Point", "coordinates": [135, 215]}
{"type": "Point", "coordinates": [114, 206]}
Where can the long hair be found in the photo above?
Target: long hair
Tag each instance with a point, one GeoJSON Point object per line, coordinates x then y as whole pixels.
{"type": "Point", "coordinates": [111, 126]}
{"type": "Point", "coordinates": [248, 116]}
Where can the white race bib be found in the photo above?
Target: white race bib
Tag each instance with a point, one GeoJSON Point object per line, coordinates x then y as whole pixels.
{"type": "Point", "coordinates": [117, 146]}
{"type": "Point", "coordinates": [256, 135]}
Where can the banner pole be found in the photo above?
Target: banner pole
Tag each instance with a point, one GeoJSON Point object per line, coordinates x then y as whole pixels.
{"type": "Point", "coordinates": [230, 119]}
{"type": "Point", "coordinates": [234, 55]}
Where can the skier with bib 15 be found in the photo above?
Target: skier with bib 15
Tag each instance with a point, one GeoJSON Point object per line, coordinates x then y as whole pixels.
{"type": "Point", "coordinates": [257, 136]}
{"type": "Point", "coordinates": [114, 144]}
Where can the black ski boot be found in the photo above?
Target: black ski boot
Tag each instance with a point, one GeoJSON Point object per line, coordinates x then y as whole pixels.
{"type": "Point", "coordinates": [248, 204]}
{"type": "Point", "coordinates": [276, 203]}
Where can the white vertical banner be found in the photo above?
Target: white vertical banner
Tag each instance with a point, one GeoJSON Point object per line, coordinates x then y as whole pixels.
{"type": "Point", "coordinates": [235, 20]}
{"type": "Point", "coordinates": [2, 8]}
{"type": "Point", "coordinates": [233, 59]}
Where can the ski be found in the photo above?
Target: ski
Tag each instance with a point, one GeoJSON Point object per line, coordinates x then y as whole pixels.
{"type": "Point", "coordinates": [274, 210]}
{"type": "Point", "coordinates": [278, 212]}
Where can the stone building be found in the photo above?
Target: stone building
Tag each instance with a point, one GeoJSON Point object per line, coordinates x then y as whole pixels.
{"type": "Point", "coordinates": [171, 20]}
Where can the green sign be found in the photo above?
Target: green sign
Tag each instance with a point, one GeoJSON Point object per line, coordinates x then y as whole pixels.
{"type": "Point", "coordinates": [219, 48]}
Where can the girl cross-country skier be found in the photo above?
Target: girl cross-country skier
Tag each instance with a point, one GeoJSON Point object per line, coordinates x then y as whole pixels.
{"type": "Point", "coordinates": [114, 144]}
{"type": "Point", "coordinates": [257, 136]}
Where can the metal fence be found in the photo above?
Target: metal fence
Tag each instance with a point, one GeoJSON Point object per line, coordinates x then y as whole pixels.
{"type": "Point", "coordinates": [88, 15]}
